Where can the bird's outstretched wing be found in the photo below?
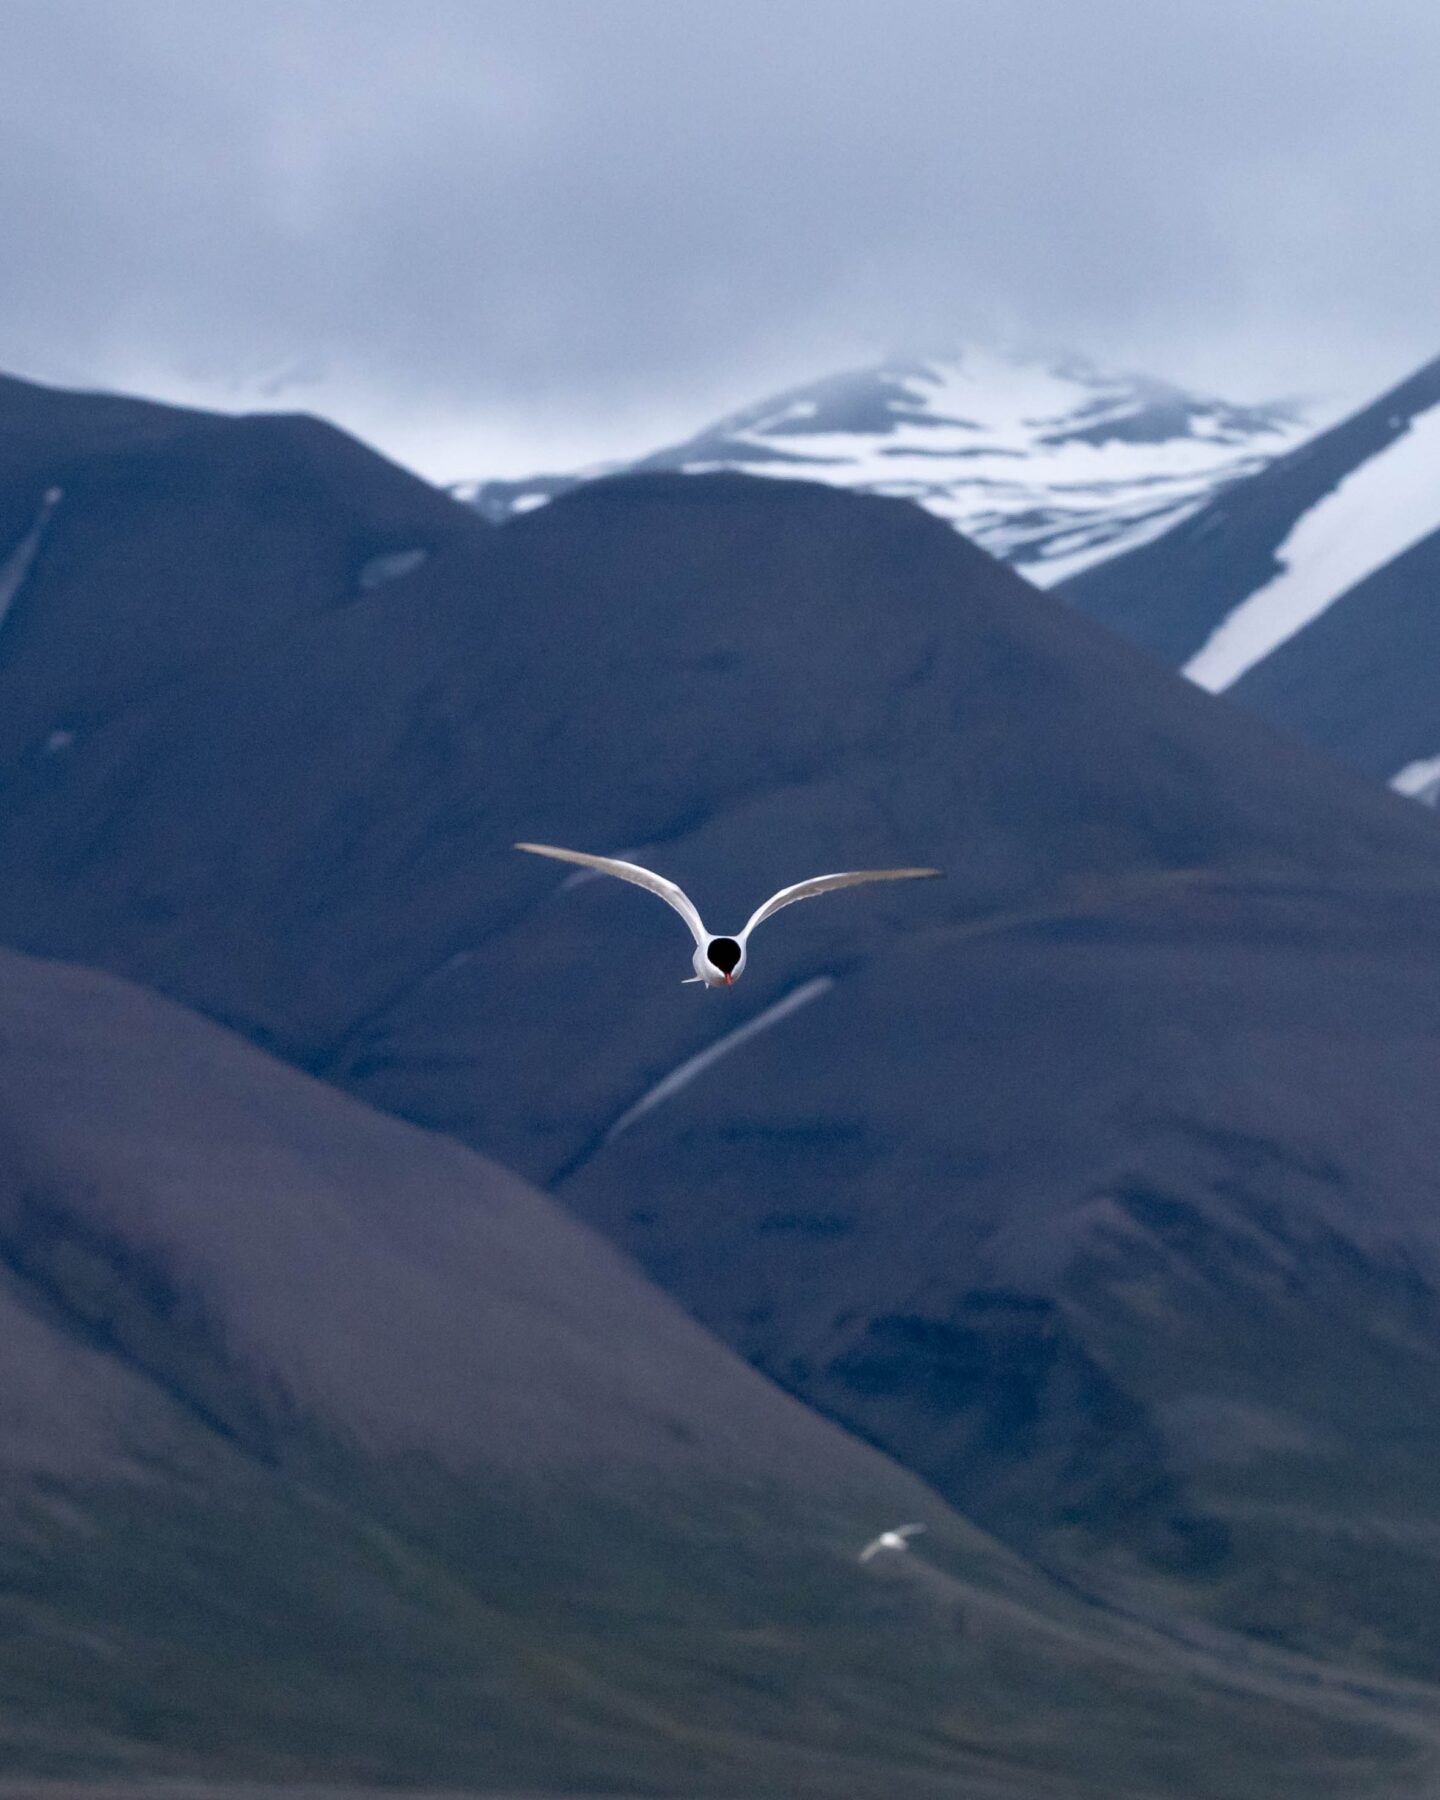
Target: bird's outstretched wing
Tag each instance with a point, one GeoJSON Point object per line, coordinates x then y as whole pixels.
{"type": "Point", "coordinates": [824, 884]}
{"type": "Point", "coordinates": [909, 1531]}
{"type": "Point", "coordinates": [627, 871]}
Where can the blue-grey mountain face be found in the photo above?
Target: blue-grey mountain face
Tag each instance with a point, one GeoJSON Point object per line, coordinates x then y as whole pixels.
{"type": "Point", "coordinates": [1047, 463]}
{"type": "Point", "coordinates": [1307, 593]}
{"type": "Point", "coordinates": [334, 1454]}
{"type": "Point", "coordinates": [1093, 1183]}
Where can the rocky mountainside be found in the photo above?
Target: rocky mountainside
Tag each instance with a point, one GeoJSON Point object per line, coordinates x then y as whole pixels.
{"type": "Point", "coordinates": [1045, 461]}
{"type": "Point", "coordinates": [1306, 593]}
{"type": "Point", "coordinates": [1092, 1184]}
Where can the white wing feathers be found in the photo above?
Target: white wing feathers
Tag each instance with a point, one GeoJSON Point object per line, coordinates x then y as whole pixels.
{"type": "Point", "coordinates": [627, 871]}
{"type": "Point", "coordinates": [824, 884]}
{"type": "Point", "coordinates": [681, 901]}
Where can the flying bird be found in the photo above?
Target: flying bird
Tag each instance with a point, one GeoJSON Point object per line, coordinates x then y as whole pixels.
{"type": "Point", "coordinates": [720, 961]}
{"type": "Point", "coordinates": [890, 1540]}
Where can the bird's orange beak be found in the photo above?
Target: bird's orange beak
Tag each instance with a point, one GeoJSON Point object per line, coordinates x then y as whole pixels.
{"type": "Point", "coordinates": [727, 981]}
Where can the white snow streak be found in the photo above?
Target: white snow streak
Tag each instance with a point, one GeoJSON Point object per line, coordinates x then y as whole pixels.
{"type": "Point", "coordinates": [18, 564]}
{"type": "Point", "coordinates": [1420, 780]}
{"type": "Point", "coordinates": [1098, 545]}
{"type": "Point", "coordinates": [1378, 511]}
{"type": "Point", "coordinates": [684, 1073]}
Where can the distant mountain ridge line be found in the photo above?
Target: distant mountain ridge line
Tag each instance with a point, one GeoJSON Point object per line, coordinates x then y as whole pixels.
{"type": "Point", "coordinates": [1054, 465]}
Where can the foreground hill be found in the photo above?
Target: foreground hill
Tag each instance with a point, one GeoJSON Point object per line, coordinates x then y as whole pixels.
{"type": "Point", "coordinates": [1046, 461]}
{"type": "Point", "coordinates": [332, 1452]}
{"type": "Point", "coordinates": [1306, 593]}
{"type": "Point", "coordinates": [1093, 1183]}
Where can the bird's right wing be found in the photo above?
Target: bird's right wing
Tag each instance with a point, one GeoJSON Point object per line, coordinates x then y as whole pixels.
{"type": "Point", "coordinates": [909, 1531]}
{"type": "Point", "coordinates": [871, 1549]}
{"type": "Point", "coordinates": [825, 884]}
{"type": "Point", "coordinates": [627, 871]}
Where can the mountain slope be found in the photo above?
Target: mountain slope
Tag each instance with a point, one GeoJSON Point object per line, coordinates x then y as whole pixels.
{"type": "Point", "coordinates": [1305, 592]}
{"type": "Point", "coordinates": [333, 1452]}
{"type": "Point", "coordinates": [1046, 462]}
{"type": "Point", "coordinates": [114, 515]}
{"type": "Point", "coordinates": [1146, 1076]}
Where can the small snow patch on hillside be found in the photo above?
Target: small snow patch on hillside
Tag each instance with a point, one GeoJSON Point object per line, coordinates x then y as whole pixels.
{"type": "Point", "coordinates": [1420, 780]}
{"type": "Point", "coordinates": [17, 566]}
{"type": "Point", "coordinates": [390, 567]}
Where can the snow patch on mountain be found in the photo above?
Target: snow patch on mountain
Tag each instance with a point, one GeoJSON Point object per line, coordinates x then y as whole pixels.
{"type": "Point", "coordinates": [1047, 462]}
{"type": "Point", "coordinates": [16, 567]}
{"type": "Point", "coordinates": [392, 566]}
{"type": "Point", "coordinates": [1385, 505]}
{"type": "Point", "coordinates": [1420, 781]}
{"type": "Point", "coordinates": [684, 1073]}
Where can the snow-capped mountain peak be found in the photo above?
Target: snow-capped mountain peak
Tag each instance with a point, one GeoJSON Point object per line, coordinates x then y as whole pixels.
{"type": "Point", "coordinates": [1046, 461]}
{"type": "Point", "coordinates": [1308, 593]}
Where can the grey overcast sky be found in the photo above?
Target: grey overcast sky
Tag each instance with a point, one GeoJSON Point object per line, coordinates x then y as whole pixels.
{"type": "Point", "coordinates": [491, 236]}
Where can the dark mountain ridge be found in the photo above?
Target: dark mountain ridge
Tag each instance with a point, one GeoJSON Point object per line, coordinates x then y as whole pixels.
{"type": "Point", "coordinates": [270, 518]}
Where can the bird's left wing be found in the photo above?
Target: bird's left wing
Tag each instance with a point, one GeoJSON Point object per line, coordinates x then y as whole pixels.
{"type": "Point", "coordinates": [628, 871]}
{"type": "Point", "coordinates": [824, 884]}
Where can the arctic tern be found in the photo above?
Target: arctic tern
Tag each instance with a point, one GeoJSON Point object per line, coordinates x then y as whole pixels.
{"type": "Point", "coordinates": [898, 1539]}
{"type": "Point", "coordinates": [720, 961]}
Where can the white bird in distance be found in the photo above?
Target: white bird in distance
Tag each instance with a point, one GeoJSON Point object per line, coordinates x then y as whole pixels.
{"type": "Point", "coordinates": [720, 961]}
{"type": "Point", "coordinates": [891, 1540]}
